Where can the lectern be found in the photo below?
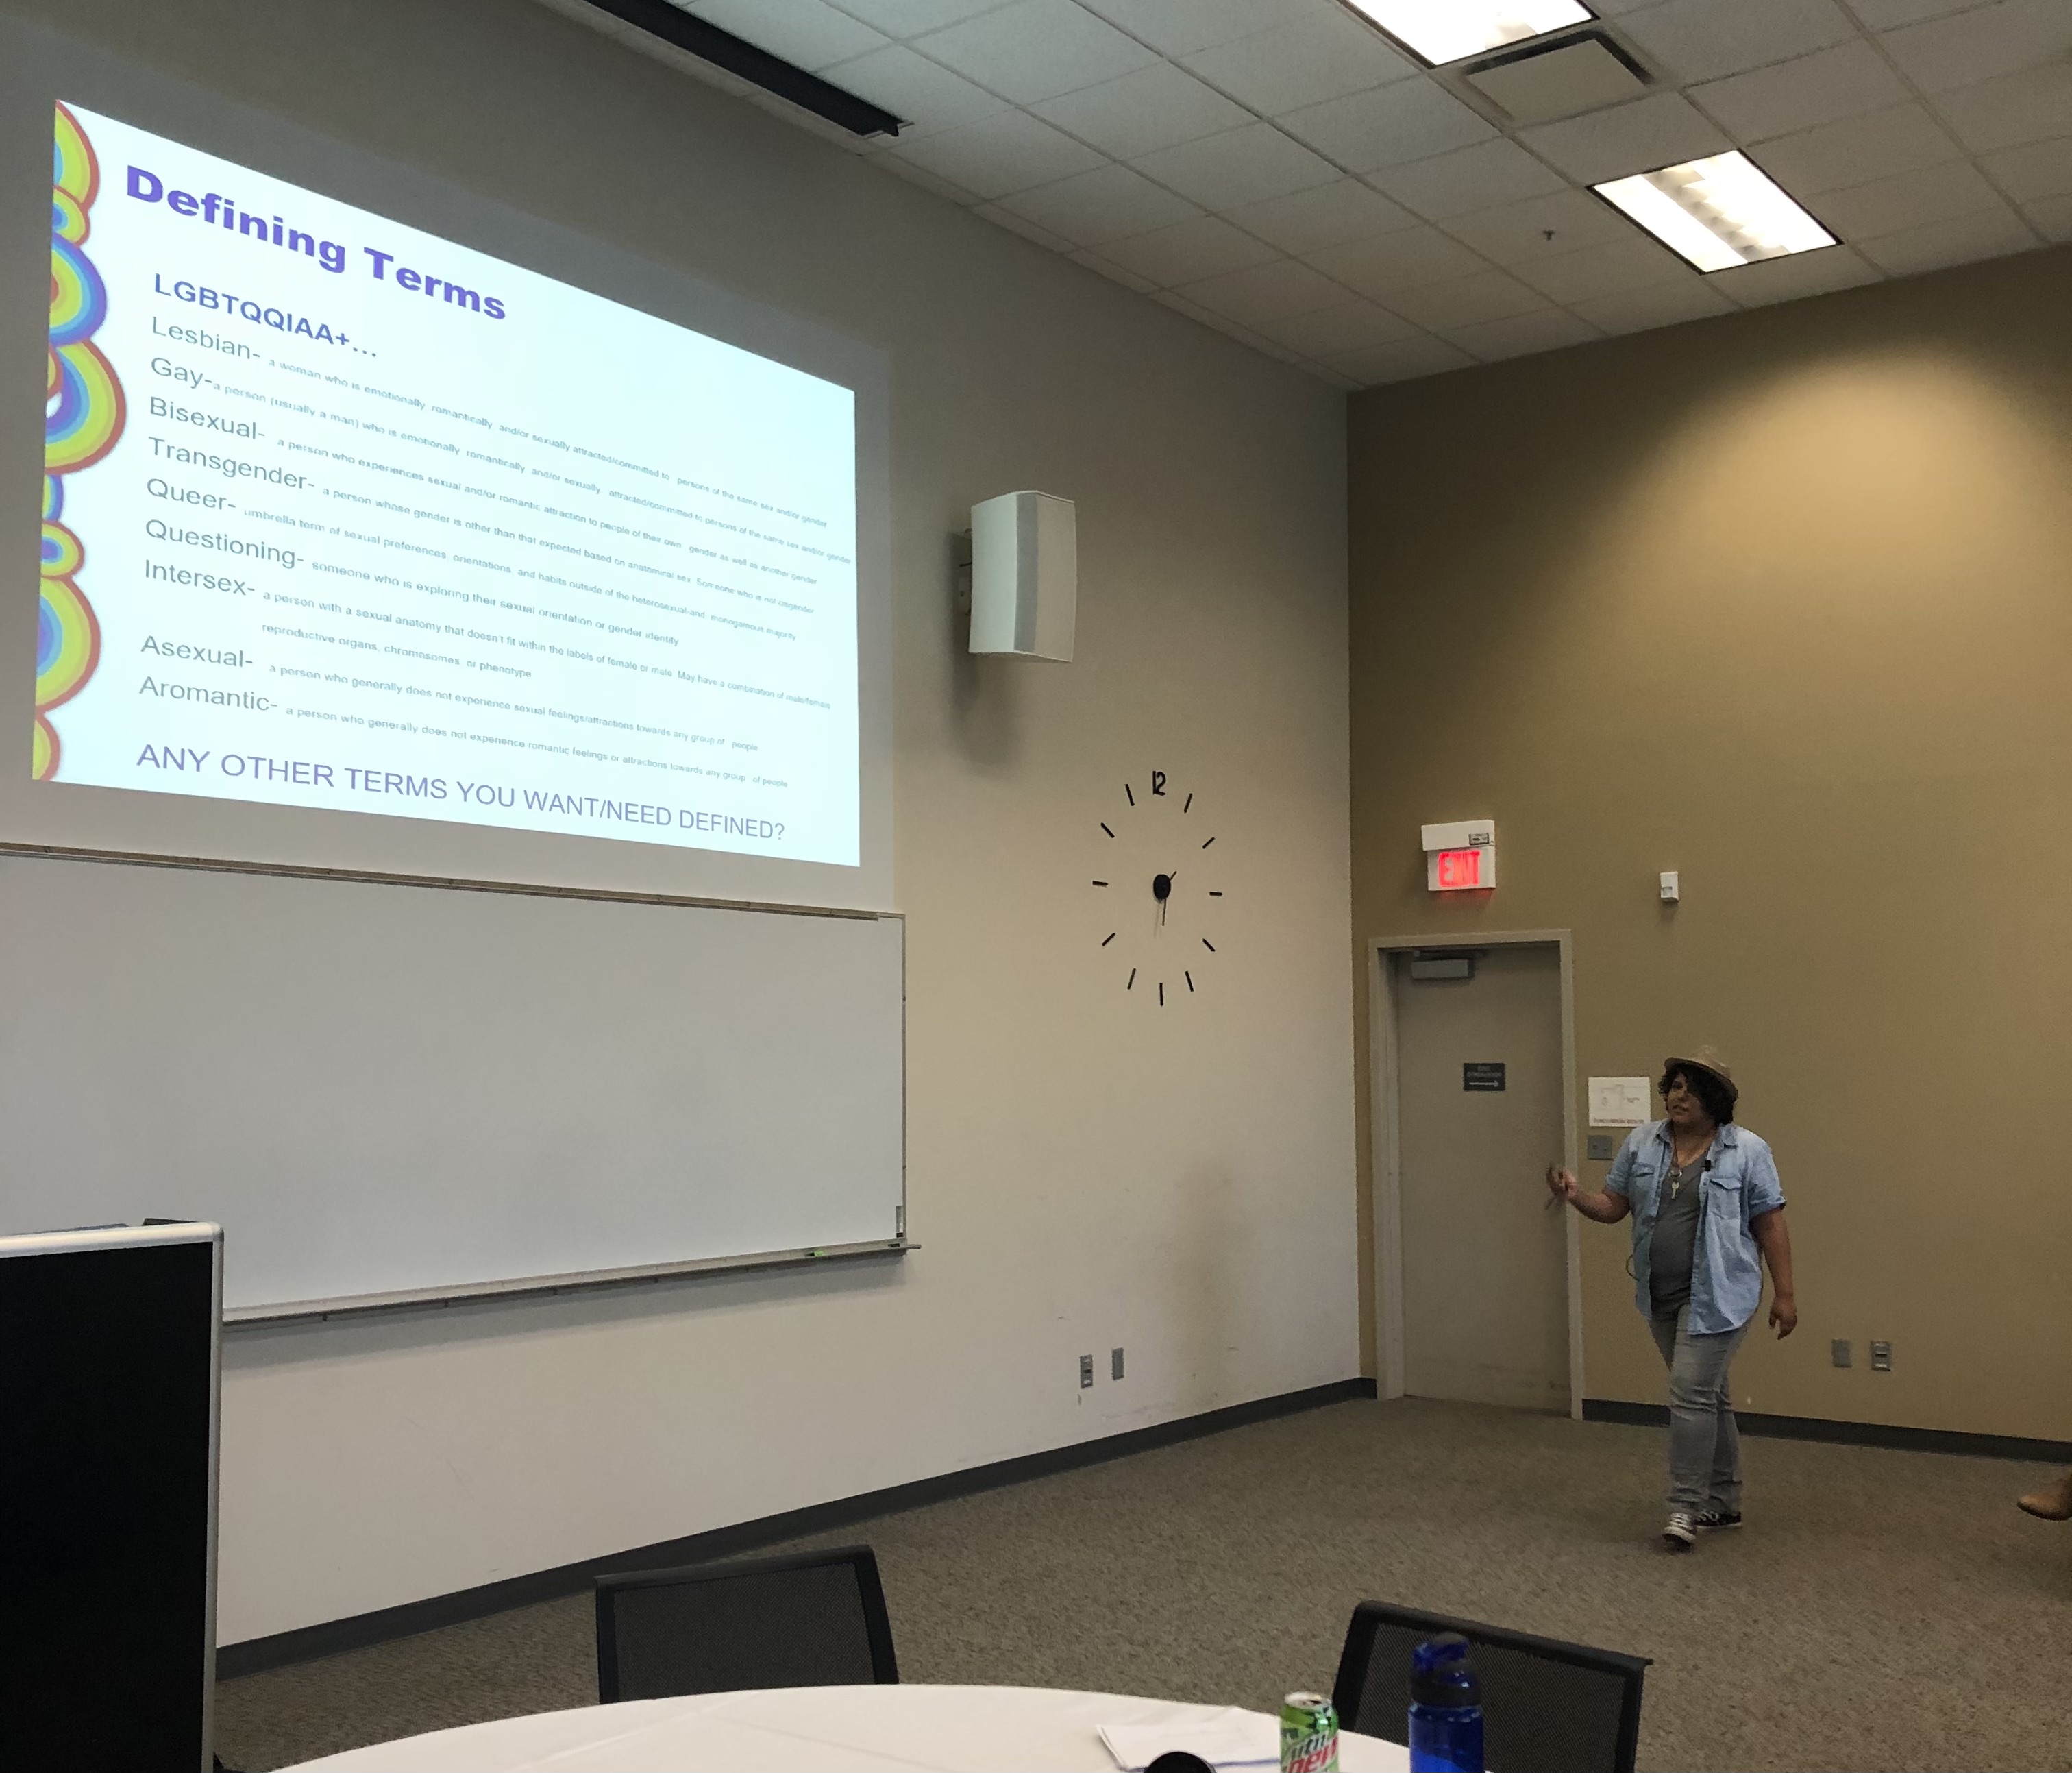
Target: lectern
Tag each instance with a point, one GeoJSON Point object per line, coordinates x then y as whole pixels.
{"type": "Point", "coordinates": [110, 1350]}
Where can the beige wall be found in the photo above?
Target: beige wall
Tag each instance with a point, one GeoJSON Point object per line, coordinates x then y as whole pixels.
{"type": "Point", "coordinates": [1084, 1172]}
{"type": "Point", "coordinates": [1784, 602]}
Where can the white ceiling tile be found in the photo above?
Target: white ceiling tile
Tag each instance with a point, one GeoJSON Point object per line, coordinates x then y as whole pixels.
{"type": "Point", "coordinates": [1218, 322]}
{"type": "Point", "coordinates": [924, 93]}
{"type": "Point", "coordinates": [1884, 15]}
{"type": "Point", "coordinates": [1659, 131]}
{"type": "Point", "coordinates": [1329, 332]}
{"type": "Point", "coordinates": [2043, 169]}
{"type": "Point", "coordinates": [1845, 81]}
{"type": "Point", "coordinates": [1630, 264]}
{"type": "Point", "coordinates": [1306, 221]}
{"type": "Point", "coordinates": [1545, 227]}
{"type": "Point", "coordinates": [1188, 252]}
{"type": "Point", "coordinates": [1958, 240]}
{"type": "Point", "coordinates": [1012, 151]}
{"type": "Point", "coordinates": [1027, 229]}
{"type": "Point", "coordinates": [2000, 38]}
{"type": "Point", "coordinates": [1903, 139]}
{"type": "Point", "coordinates": [1179, 27]}
{"type": "Point", "coordinates": [1906, 199]}
{"type": "Point", "coordinates": [1581, 75]}
{"type": "Point", "coordinates": [1468, 178]}
{"type": "Point", "coordinates": [1522, 334]}
{"type": "Point", "coordinates": [1325, 55]}
{"type": "Point", "coordinates": [1658, 304]}
{"type": "Point", "coordinates": [1773, 280]}
{"type": "Point", "coordinates": [2029, 106]}
{"type": "Point", "coordinates": [1411, 120]}
{"type": "Point", "coordinates": [1036, 49]}
{"type": "Point", "coordinates": [1705, 39]}
{"type": "Point", "coordinates": [1466, 301]}
{"type": "Point", "coordinates": [1108, 204]}
{"type": "Point", "coordinates": [2051, 216]}
{"type": "Point", "coordinates": [808, 34]}
{"type": "Point", "coordinates": [1113, 272]}
{"type": "Point", "coordinates": [1403, 361]}
{"type": "Point", "coordinates": [1157, 107]}
{"type": "Point", "coordinates": [1239, 166]}
{"type": "Point", "coordinates": [901, 168]}
{"type": "Point", "coordinates": [1397, 261]}
{"type": "Point", "coordinates": [905, 19]}
{"type": "Point", "coordinates": [1272, 291]}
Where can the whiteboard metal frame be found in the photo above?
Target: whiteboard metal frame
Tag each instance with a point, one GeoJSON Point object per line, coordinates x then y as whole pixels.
{"type": "Point", "coordinates": [532, 1285]}
{"type": "Point", "coordinates": [118, 1237]}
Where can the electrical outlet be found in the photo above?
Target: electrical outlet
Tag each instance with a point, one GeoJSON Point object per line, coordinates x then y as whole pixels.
{"type": "Point", "coordinates": [1115, 1364]}
{"type": "Point", "coordinates": [1086, 1371]}
{"type": "Point", "coordinates": [1845, 1351]}
{"type": "Point", "coordinates": [1881, 1357]}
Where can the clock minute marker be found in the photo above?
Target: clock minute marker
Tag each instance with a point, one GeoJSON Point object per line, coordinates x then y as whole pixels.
{"type": "Point", "coordinates": [1126, 790]}
{"type": "Point", "coordinates": [1162, 994]}
{"type": "Point", "coordinates": [1187, 803]}
{"type": "Point", "coordinates": [1131, 986]}
{"type": "Point", "coordinates": [1189, 977]}
{"type": "Point", "coordinates": [1208, 944]}
{"type": "Point", "coordinates": [1107, 938]}
{"type": "Point", "coordinates": [1205, 845]}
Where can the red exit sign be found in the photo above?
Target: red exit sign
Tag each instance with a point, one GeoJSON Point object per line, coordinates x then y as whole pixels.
{"type": "Point", "coordinates": [1459, 869]}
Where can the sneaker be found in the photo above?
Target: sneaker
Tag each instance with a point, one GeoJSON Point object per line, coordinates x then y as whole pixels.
{"type": "Point", "coordinates": [1681, 1534]}
{"type": "Point", "coordinates": [1717, 1521]}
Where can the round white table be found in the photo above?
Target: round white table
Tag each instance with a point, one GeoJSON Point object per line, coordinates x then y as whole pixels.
{"type": "Point", "coordinates": [819, 1729]}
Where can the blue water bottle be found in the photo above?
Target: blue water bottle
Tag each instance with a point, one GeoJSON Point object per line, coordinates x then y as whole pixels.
{"type": "Point", "coordinates": [1445, 1708]}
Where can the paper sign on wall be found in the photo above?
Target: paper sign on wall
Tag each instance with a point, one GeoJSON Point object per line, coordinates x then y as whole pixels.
{"type": "Point", "coordinates": [1618, 1101]}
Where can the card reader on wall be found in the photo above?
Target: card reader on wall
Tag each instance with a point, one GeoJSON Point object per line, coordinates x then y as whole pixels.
{"type": "Point", "coordinates": [1461, 858]}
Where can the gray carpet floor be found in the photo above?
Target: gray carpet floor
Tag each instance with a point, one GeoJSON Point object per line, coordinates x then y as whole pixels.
{"type": "Point", "coordinates": [1880, 1609]}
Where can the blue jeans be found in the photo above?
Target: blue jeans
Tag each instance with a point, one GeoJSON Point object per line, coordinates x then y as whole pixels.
{"type": "Point", "coordinates": [1704, 1445]}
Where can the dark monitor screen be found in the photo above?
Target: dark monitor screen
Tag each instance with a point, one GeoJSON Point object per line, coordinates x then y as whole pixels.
{"type": "Point", "coordinates": [107, 1398]}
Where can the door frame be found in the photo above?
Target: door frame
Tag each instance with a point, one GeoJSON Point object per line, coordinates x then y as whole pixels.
{"type": "Point", "coordinates": [1384, 1072]}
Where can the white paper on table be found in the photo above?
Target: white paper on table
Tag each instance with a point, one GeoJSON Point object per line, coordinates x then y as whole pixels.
{"type": "Point", "coordinates": [1230, 1738]}
{"type": "Point", "coordinates": [1618, 1101]}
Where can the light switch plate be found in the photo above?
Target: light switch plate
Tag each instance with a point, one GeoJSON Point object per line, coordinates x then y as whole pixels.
{"type": "Point", "coordinates": [1881, 1357]}
{"type": "Point", "coordinates": [1600, 1147]}
{"type": "Point", "coordinates": [1845, 1354]}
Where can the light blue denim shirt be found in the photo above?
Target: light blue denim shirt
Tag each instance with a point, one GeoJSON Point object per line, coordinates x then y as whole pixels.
{"type": "Point", "coordinates": [1741, 1186]}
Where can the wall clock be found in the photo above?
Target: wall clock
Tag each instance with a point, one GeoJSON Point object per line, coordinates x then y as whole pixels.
{"type": "Point", "coordinates": [1157, 889]}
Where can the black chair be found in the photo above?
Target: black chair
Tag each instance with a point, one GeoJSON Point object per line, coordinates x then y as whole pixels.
{"type": "Point", "coordinates": [816, 1619]}
{"type": "Point", "coordinates": [1547, 1706]}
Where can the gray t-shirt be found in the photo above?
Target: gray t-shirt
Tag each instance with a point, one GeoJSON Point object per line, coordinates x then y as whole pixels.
{"type": "Point", "coordinates": [1675, 1241]}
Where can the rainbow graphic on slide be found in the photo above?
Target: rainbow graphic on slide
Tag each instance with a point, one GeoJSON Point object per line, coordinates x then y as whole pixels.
{"type": "Point", "coordinates": [82, 416]}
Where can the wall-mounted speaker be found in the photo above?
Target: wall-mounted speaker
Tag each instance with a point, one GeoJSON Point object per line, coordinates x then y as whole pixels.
{"type": "Point", "coordinates": [1025, 580]}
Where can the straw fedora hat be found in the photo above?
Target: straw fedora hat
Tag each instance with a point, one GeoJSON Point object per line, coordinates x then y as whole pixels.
{"type": "Point", "coordinates": [1706, 1058]}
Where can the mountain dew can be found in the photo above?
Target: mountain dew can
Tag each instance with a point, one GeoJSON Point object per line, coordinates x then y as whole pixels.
{"type": "Point", "coordinates": [1308, 1735]}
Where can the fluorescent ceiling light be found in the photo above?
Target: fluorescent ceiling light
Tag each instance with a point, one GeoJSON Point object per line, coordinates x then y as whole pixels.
{"type": "Point", "coordinates": [1444, 30]}
{"type": "Point", "coordinates": [1718, 212]}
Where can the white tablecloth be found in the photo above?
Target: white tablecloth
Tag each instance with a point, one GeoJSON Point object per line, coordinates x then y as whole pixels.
{"type": "Point", "coordinates": [812, 1730]}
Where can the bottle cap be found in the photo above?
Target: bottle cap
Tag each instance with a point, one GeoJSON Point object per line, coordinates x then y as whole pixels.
{"type": "Point", "coordinates": [1439, 1674]}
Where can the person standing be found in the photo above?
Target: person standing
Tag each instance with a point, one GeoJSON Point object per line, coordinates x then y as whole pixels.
{"type": "Point", "coordinates": [1707, 1210]}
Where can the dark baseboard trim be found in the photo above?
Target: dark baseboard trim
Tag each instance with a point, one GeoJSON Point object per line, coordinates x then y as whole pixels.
{"type": "Point", "coordinates": [1822, 1428]}
{"type": "Point", "coordinates": [256, 1655]}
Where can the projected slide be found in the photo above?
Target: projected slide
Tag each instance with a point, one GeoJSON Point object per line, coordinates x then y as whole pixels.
{"type": "Point", "coordinates": [337, 514]}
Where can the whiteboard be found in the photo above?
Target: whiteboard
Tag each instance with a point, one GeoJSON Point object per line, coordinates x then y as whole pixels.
{"type": "Point", "coordinates": [382, 1089]}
